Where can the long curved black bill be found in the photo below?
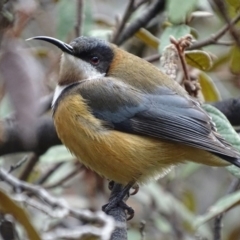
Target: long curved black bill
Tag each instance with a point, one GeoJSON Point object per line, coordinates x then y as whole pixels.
{"type": "Point", "coordinates": [62, 45]}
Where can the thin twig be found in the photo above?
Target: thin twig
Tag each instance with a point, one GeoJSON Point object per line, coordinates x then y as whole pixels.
{"type": "Point", "coordinates": [180, 49]}
{"type": "Point", "coordinates": [18, 164]}
{"type": "Point", "coordinates": [214, 38]}
{"type": "Point", "coordinates": [218, 227]}
{"type": "Point", "coordinates": [153, 58]}
{"type": "Point", "coordinates": [127, 14]}
{"type": "Point", "coordinates": [33, 159]}
{"type": "Point", "coordinates": [225, 43]}
{"type": "Point", "coordinates": [139, 4]}
{"type": "Point", "coordinates": [142, 229]}
{"type": "Point", "coordinates": [6, 20]}
{"type": "Point", "coordinates": [65, 178]}
{"type": "Point", "coordinates": [79, 21]}
{"type": "Point", "coordinates": [48, 174]}
{"type": "Point", "coordinates": [156, 57]}
{"type": "Point", "coordinates": [42, 207]}
{"type": "Point", "coordinates": [221, 5]}
{"type": "Point", "coordinates": [149, 13]}
{"type": "Point", "coordinates": [107, 224]}
{"type": "Point", "coordinates": [218, 220]}
{"type": "Point", "coordinates": [72, 234]}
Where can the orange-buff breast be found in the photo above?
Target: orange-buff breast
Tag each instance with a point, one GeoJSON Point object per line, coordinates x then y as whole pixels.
{"type": "Point", "coordinates": [119, 156]}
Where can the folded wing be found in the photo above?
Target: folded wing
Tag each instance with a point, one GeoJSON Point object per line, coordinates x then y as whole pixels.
{"type": "Point", "coordinates": [162, 114]}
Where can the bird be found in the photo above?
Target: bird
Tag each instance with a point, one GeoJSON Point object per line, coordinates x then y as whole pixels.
{"type": "Point", "coordinates": [127, 120]}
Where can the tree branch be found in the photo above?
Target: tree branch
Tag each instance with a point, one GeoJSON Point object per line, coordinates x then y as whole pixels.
{"type": "Point", "coordinates": [67, 177]}
{"type": "Point", "coordinates": [231, 109]}
{"type": "Point", "coordinates": [123, 22]}
{"type": "Point", "coordinates": [150, 12]}
{"type": "Point", "coordinates": [10, 139]}
{"type": "Point", "coordinates": [215, 37]}
{"type": "Point", "coordinates": [49, 173]}
{"type": "Point", "coordinates": [221, 5]}
{"type": "Point", "coordinates": [105, 223]}
{"type": "Point", "coordinates": [33, 159]}
{"type": "Point", "coordinates": [79, 21]}
{"type": "Point", "coordinates": [218, 220]}
{"type": "Point", "coordinates": [119, 216]}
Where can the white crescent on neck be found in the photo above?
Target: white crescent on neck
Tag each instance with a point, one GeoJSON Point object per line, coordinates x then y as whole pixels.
{"type": "Point", "coordinates": [79, 68]}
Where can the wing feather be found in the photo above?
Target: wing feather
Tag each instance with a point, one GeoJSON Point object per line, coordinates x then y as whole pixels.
{"type": "Point", "coordinates": [162, 114]}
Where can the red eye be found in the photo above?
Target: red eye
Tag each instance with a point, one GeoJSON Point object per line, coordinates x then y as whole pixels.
{"type": "Point", "coordinates": [94, 60]}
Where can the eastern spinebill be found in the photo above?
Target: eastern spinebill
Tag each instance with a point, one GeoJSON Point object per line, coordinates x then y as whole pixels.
{"type": "Point", "coordinates": [125, 119]}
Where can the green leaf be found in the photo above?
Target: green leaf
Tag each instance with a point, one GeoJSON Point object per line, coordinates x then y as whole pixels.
{"type": "Point", "coordinates": [234, 171]}
{"type": "Point", "coordinates": [66, 11]}
{"type": "Point", "coordinates": [224, 58]}
{"type": "Point", "coordinates": [177, 11]}
{"type": "Point", "coordinates": [56, 154]}
{"type": "Point", "coordinates": [234, 3]}
{"type": "Point", "coordinates": [208, 88]}
{"type": "Point", "coordinates": [226, 130]}
{"type": "Point", "coordinates": [223, 126]}
{"type": "Point", "coordinates": [235, 59]}
{"type": "Point", "coordinates": [7, 205]}
{"type": "Point", "coordinates": [148, 38]}
{"type": "Point", "coordinates": [232, 12]}
{"type": "Point", "coordinates": [88, 17]}
{"type": "Point", "coordinates": [175, 31]}
{"type": "Point", "coordinates": [220, 206]}
{"type": "Point", "coordinates": [201, 14]}
{"type": "Point", "coordinates": [194, 33]}
{"type": "Point", "coordinates": [189, 200]}
{"type": "Point", "coordinates": [198, 59]}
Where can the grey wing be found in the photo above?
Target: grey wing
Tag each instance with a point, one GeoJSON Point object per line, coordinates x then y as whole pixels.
{"type": "Point", "coordinates": [163, 114]}
{"type": "Point", "coordinates": [173, 117]}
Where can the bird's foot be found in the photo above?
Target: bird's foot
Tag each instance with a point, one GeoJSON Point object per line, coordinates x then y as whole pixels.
{"type": "Point", "coordinates": [111, 185]}
{"type": "Point", "coordinates": [118, 203]}
{"type": "Point", "coordinates": [118, 199]}
{"type": "Point", "coordinates": [135, 188]}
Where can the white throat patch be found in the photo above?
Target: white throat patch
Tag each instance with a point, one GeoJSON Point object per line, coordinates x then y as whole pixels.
{"type": "Point", "coordinates": [57, 93]}
{"type": "Point", "coordinates": [78, 69]}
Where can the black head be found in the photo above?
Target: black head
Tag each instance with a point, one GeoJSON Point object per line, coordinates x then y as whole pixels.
{"type": "Point", "coordinates": [95, 51]}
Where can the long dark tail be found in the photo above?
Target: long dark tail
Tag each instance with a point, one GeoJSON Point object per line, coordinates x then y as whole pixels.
{"type": "Point", "coordinates": [233, 160]}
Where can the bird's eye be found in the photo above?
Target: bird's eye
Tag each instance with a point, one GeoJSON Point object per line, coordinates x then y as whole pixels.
{"type": "Point", "coordinates": [94, 60]}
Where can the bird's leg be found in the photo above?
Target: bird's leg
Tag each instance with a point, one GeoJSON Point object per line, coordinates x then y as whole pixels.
{"type": "Point", "coordinates": [111, 185]}
{"type": "Point", "coordinates": [117, 199]}
{"type": "Point", "coordinates": [135, 188]}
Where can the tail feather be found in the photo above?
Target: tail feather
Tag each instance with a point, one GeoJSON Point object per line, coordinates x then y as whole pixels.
{"type": "Point", "coordinates": [233, 160]}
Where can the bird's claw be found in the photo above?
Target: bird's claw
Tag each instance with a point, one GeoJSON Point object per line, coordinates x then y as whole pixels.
{"type": "Point", "coordinates": [111, 185]}
{"type": "Point", "coordinates": [119, 194]}
{"type": "Point", "coordinates": [135, 188]}
{"type": "Point", "coordinates": [118, 203]}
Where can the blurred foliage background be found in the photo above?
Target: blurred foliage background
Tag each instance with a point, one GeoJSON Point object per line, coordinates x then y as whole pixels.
{"type": "Point", "coordinates": [185, 204]}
